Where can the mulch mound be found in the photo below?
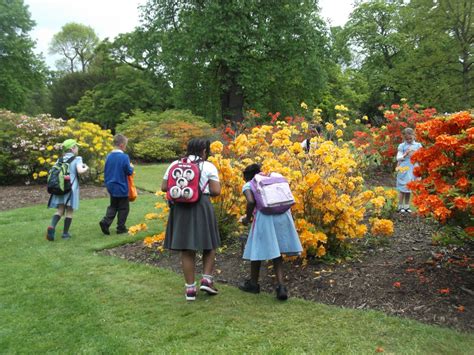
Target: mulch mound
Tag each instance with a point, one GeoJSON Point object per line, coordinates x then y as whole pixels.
{"type": "Point", "coordinates": [405, 275]}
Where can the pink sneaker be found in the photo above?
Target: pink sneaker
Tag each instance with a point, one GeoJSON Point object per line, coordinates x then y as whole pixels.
{"type": "Point", "coordinates": [208, 286]}
{"type": "Point", "coordinates": [191, 293]}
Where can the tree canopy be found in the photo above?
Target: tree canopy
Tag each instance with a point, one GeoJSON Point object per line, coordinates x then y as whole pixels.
{"type": "Point", "coordinates": [75, 43]}
{"type": "Point", "coordinates": [22, 72]}
{"type": "Point", "coordinates": [222, 56]}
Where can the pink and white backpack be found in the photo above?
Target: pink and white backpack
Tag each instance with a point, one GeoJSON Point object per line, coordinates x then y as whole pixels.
{"type": "Point", "coordinates": [272, 193]}
{"type": "Point", "coordinates": [183, 182]}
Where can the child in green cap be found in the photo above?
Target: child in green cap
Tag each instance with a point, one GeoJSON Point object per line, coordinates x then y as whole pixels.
{"type": "Point", "coordinates": [66, 204]}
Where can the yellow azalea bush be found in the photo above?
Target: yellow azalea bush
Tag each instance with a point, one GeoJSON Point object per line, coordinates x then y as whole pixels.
{"type": "Point", "coordinates": [331, 201]}
{"type": "Point", "coordinates": [95, 144]}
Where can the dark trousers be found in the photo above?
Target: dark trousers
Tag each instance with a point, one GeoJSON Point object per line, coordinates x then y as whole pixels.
{"type": "Point", "coordinates": [119, 206]}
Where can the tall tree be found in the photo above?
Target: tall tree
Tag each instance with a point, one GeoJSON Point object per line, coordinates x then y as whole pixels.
{"type": "Point", "coordinates": [76, 43]}
{"type": "Point", "coordinates": [442, 33]}
{"type": "Point", "coordinates": [421, 50]}
{"type": "Point", "coordinates": [378, 42]}
{"type": "Point", "coordinates": [22, 73]}
{"type": "Point", "coordinates": [224, 55]}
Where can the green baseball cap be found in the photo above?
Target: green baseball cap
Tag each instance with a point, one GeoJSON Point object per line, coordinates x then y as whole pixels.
{"type": "Point", "coordinates": [69, 144]}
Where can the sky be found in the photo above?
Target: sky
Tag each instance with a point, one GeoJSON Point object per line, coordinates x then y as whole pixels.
{"type": "Point", "coordinates": [110, 17]}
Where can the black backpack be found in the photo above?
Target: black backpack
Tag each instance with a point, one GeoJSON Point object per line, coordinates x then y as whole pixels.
{"type": "Point", "coordinates": [59, 178]}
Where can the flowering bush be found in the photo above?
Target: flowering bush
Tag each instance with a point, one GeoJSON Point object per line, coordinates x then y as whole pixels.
{"type": "Point", "coordinates": [95, 144]}
{"type": "Point", "coordinates": [446, 170]}
{"type": "Point", "coordinates": [163, 136]}
{"type": "Point", "coordinates": [23, 140]}
{"type": "Point", "coordinates": [331, 202]}
{"type": "Point", "coordinates": [31, 145]}
{"type": "Point", "coordinates": [380, 143]}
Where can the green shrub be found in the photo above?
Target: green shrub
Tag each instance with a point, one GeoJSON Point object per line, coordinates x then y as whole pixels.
{"type": "Point", "coordinates": [171, 128]}
{"type": "Point", "coordinates": [156, 149]}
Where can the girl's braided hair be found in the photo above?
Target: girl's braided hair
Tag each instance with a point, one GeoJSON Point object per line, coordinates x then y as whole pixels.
{"type": "Point", "coordinates": [197, 145]}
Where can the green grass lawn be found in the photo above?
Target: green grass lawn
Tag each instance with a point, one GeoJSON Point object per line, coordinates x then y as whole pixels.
{"type": "Point", "coordinates": [149, 177]}
{"type": "Point", "coordinates": [64, 297]}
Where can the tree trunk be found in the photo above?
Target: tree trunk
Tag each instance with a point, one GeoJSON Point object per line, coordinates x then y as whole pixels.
{"type": "Point", "coordinates": [232, 102]}
{"type": "Point", "coordinates": [232, 95]}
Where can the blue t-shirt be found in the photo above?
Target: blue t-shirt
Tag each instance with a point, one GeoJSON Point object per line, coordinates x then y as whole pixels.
{"type": "Point", "coordinates": [117, 169]}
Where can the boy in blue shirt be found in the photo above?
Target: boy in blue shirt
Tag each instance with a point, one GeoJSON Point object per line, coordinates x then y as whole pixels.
{"type": "Point", "coordinates": [116, 172]}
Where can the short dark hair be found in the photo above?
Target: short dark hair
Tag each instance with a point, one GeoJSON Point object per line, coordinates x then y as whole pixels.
{"type": "Point", "coordinates": [197, 145]}
{"type": "Point", "coordinates": [250, 171]}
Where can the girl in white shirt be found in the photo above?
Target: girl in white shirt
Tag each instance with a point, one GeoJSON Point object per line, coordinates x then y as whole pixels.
{"type": "Point", "coordinates": [193, 227]}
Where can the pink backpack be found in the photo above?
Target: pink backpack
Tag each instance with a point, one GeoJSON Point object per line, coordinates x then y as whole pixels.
{"type": "Point", "coordinates": [183, 182]}
{"type": "Point", "coordinates": [272, 193]}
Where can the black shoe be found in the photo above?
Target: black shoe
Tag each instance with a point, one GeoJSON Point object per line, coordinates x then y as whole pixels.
{"type": "Point", "coordinates": [104, 228]}
{"type": "Point", "coordinates": [282, 293]}
{"type": "Point", "coordinates": [122, 231]}
{"type": "Point", "coordinates": [66, 236]}
{"type": "Point", "coordinates": [248, 286]}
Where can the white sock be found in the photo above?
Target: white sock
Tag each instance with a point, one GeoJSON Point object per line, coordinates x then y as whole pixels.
{"type": "Point", "coordinates": [207, 277]}
{"type": "Point", "coordinates": [406, 206]}
{"type": "Point", "coordinates": [191, 285]}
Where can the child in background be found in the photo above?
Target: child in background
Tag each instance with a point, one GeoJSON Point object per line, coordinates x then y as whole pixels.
{"type": "Point", "coordinates": [193, 227]}
{"type": "Point", "coordinates": [314, 131]}
{"type": "Point", "coordinates": [68, 203]}
{"type": "Point", "coordinates": [405, 169]}
{"type": "Point", "coordinates": [269, 237]}
{"type": "Point", "coordinates": [116, 172]}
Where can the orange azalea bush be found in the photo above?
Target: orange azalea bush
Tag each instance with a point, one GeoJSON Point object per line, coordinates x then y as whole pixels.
{"type": "Point", "coordinates": [382, 142]}
{"type": "Point", "coordinates": [331, 201]}
{"type": "Point", "coordinates": [446, 170]}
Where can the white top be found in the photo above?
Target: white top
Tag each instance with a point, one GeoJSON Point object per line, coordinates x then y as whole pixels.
{"type": "Point", "coordinates": [403, 147]}
{"type": "Point", "coordinates": [208, 172]}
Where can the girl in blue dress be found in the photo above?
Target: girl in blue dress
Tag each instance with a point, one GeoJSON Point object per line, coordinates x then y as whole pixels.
{"type": "Point", "coordinates": [269, 237]}
{"type": "Point", "coordinates": [405, 169]}
{"type": "Point", "coordinates": [66, 204]}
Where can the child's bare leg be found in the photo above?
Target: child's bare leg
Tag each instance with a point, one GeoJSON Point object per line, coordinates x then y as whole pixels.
{"type": "Point", "coordinates": [254, 271]}
{"type": "Point", "coordinates": [407, 198]}
{"type": "Point", "coordinates": [208, 261]}
{"type": "Point", "coordinates": [400, 199]}
{"type": "Point", "coordinates": [188, 259]}
{"type": "Point", "coordinates": [278, 267]}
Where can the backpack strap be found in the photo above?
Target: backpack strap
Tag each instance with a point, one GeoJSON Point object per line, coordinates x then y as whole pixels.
{"type": "Point", "coordinates": [197, 162]}
{"type": "Point", "coordinates": [69, 161]}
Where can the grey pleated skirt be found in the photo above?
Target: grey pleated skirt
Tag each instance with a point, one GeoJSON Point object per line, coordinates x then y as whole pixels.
{"type": "Point", "coordinates": [192, 226]}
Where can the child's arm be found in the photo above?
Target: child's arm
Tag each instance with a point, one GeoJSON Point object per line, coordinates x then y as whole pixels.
{"type": "Point", "coordinates": [81, 167]}
{"type": "Point", "coordinates": [250, 207]}
{"type": "Point", "coordinates": [164, 185]}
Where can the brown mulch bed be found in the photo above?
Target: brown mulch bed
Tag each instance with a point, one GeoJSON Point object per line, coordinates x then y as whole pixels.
{"type": "Point", "coordinates": [28, 195]}
{"type": "Point", "coordinates": [405, 276]}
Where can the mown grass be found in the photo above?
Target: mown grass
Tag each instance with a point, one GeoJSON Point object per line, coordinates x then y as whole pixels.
{"type": "Point", "coordinates": [149, 177]}
{"type": "Point", "coordinates": [65, 297]}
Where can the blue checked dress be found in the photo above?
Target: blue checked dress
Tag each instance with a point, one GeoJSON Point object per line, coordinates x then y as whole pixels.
{"type": "Point", "coordinates": [72, 197]}
{"type": "Point", "coordinates": [271, 235]}
{"type": "Point", "coordinates": [404, 177]}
